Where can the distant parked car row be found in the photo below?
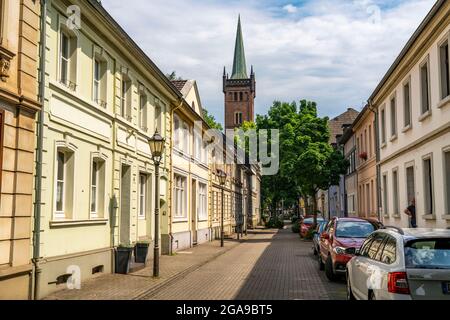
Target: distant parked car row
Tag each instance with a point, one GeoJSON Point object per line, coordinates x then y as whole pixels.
{"type": "Point", "coordinates": [384, 263]}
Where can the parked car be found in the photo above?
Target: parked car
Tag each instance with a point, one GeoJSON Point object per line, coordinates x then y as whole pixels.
{"type": "Point", "coordinates": [401, 264]}
{"type": "Point", "coordinates": [307, 224]}
{"type": "Point", "coordinates": [316, 239]}
{"type": "Point", "coordinates": [339, 235]}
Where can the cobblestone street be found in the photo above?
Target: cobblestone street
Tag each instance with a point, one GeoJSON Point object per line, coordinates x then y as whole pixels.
{"type": "Point", "coordinates": [269, 266]}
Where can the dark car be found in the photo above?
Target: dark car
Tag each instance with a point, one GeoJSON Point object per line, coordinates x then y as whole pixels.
{"type": "Point", "coordinates": [316, 239]}
{"type": "Point", "coordinates": [341, 234]}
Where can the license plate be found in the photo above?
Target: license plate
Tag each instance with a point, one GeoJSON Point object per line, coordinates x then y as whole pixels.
{"type": "Point", "coordinates": [446, 287]}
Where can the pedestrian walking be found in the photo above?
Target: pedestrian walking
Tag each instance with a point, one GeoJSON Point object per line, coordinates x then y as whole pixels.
{"type": "Point", "coordinates": [411, 212]}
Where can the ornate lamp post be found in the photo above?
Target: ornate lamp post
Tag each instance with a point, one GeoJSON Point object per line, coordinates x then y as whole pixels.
{"type": "Point", "coordinates": [222, 179]}
{"type": "Point", "coordinates": [156, 143]}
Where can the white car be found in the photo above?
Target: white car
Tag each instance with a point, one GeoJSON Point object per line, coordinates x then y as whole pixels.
{"type": "Point", "coordinates": [401, 264]}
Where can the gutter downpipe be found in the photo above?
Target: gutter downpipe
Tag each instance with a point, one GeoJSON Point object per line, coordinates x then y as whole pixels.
{"type": "Point", "coordinates": [39, 153]}
{"type": "Point", "coordinates": [377, 144]}
{"type": "Point", "coordinates": [170, 173]}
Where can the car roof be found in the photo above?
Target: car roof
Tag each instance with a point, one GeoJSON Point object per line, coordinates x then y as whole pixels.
{"type": "Point", "coordinates": [356, 219]}
{"type": "Point", "coordinates": [409, 234]}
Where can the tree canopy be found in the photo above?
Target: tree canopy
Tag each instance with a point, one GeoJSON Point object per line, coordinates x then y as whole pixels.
{"type": "Point", "coordinates": [211, 121]}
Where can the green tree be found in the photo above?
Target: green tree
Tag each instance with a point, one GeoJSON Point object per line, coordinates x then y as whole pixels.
{"type": "Point", "coordinates": [173, 76]}
{"type": "Point", "coordinates": [211, 121]}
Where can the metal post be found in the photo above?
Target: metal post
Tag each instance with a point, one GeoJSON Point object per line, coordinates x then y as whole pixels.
{"type": "Point", "coordinates": [221, 223]}
{"type": "Point", "coordinates": [156, 247]}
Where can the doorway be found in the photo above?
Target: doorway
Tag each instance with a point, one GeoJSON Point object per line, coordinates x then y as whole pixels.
{"type": "Point", "coordinates": [125, 204]}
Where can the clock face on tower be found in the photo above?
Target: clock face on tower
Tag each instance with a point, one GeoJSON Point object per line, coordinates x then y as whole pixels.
{"type": "Point", "coordinates": [239, 89]}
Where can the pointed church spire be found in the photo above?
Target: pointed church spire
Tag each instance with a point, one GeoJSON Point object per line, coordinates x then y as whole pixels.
{"type": "Point", "coordinates": [239, 64]}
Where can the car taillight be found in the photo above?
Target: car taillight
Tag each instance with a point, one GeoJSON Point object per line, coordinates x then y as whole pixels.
{"type": "Point", "coordinates": [398, 283]}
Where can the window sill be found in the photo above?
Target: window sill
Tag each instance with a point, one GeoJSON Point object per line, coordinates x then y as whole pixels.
{"type": "Point", "coordinates": [77, 223]}
{"type": "Point", "coordinates": [425, 116]}
{"type": "Point", "coordinates": [446, 217]}
{"type": "Point", "coordinates": [181, 220]}
{"type": "Point", "coordinates": [407, 128]}
{"type": "Point", "coordinates": [383, 145]}
{"type": "Point", "coordinates": [444, 102]}
{"type": "Point", "coordinates": [393, 138]}
{"type": "Point", "coordinates": [429, 217]}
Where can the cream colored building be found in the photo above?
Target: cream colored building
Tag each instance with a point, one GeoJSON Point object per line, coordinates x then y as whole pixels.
{"type": "Point", "coordinates": [413, 103]}
{"type": "Point", "coordinates": [19, 35]}
{"type": "Point", "coordinates": [189, 219]}
{"type": "Point", "coordinates": [104, 99]}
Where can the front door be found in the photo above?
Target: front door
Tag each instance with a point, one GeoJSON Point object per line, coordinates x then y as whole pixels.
{"type": "Point", "coordinates": [194, 212]}
{"type": "Point", "coordinates": [125, 204]}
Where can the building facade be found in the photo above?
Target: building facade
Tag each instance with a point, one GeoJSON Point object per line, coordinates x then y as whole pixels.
{"type": "Point", "coordinates": [348, 143]}
{"type": "Point", "coordinates": [364, 130]}
{"type": "Point", "coordinates": [239, 90]}
{"type": "Point", "coordinates": [19, 36]}
{"type": "Point", "coordinates": [104, 98]}
{"type": "Point", "coordinates": [189, 222]}
{"type": "Point", "coordinates": [413, 106]}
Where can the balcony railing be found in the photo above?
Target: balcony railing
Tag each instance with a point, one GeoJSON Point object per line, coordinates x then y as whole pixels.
{"type": "Point", "coordinates": [69, 84]}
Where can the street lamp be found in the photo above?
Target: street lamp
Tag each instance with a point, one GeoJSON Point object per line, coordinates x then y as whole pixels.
{"type": "Point", "coordinates": [156, 143]}
{"type": "Point", "coordinates": [222, 179]}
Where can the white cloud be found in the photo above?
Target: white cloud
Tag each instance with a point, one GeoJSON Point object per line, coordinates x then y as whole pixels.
{"type": "Point", "coordinates": [290, 8]}
{"type": "Point", "coordinates": [334, 54]}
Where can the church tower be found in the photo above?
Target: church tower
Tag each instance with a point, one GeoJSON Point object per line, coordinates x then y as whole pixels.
{"type": "Point", "coordinates": [239, 90]}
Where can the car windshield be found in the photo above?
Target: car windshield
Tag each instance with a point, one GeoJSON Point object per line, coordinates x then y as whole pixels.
{"type": "Point", "coordinates": [354, 229]}
{"type": "Point", "coordinates": [428, 254]}
{"type": "Point", "coordinates": [311, 220]}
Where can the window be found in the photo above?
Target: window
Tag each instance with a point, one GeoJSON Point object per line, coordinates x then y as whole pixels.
{"type": "Point", "coordinates": [63, 187]}
{"type": "Point", "coordinates": [389, 253]}
{"type": "Point", "coordinates": [425, 87]}
{"type": "Point", "coordinates": [393, 117]}
{"type": "Point", "coordinates": [125, 98]}
{"type": "Point", "coordinates": [176, 132]}
{"type": "Point", "coordinates": [385, 195]}
{"type": "Point", "coordinates": [395, 196]}
{"type": "Point", "coordinates": [364, 251]}
{"type": "Point", "coordinates": [447, 180]}
{"type": "Point", "coordinates": [241, 96]}
{"type": "Point", "coordinates": [60, 181]}
{"type": "Point", "coordinates": [202, 202]}
{"type": "Point", "coordinates": [180, 198]}
{"type": "Point", "coordinates": [428, 186]}
{"type": "Point", "coordinates": [94, 188]}
{"type": "Point", "coordinates": [444, 70]}
{"type": "Point", "coordinates": [186, 139]}
{"type": "Point", "coordinates": [374, 249]}
{"type": "Point", "coordinates": [351, 203]}
{"type": "Point", "coordinates": [2, 19]}
{"type": "Point", "coordinates": [370, 142]}
{"type": "Point", "coordinates": [407, 104]}
{"type": "Point", "coordinates": [235, 96]}
{"type": "Point", "coordinates": [99, 90]}
{"type": "Point", "coordinates": [410, 181]}
{"type": "Point", "coordinates": [143, 112]}
{"type": "Point", "coordinates": [67, 59]}
{"type": "Point", "coordinates": [158, 119]}
{"type": "Point", "coordinates": [142, 196]}
{"type": "Point", "coordinates": [238, 118]}
{"type": "Point", "coordinates": [383, 126]}
{"type": "Point", "coordinates": [198, 144]}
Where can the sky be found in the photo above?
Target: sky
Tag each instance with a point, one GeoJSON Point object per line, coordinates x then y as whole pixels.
{"type": "Point", "coordinates": [333, 52]}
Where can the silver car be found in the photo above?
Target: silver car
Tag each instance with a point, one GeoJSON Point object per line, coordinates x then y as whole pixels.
{"type": "Point", "coordinates": [401, 264]}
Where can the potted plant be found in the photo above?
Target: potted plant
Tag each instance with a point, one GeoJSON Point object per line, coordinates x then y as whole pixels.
{"type": "Point", "coordinates": [141, 251]}
{"type": "Point", "coordinates": [123, 257]}
{"type": "Point", "coordinates": [363, 155]}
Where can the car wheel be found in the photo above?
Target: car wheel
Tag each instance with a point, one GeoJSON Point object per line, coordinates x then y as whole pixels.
{"type": "Point", "coordinates": [372, 296]}
{"type": "Point", "coordinates": [329, 269]}
{"type": "Point", "coordinates": [321, 265]}
{"type": "Point", "coordinates": [350, 295]}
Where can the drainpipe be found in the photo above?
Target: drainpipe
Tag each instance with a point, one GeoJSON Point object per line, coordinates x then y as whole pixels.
{"type": "Point", "coordinates": [170, 173]}
{"type": "Point", "coordinates": [39, 153]}
{"type": "Point", "coordinates": [377, 145]}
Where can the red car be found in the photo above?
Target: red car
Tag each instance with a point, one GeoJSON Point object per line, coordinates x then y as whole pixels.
{"type": "Point", "coordinates": [341, 234]}
{"type": "Point", "coordinates": [307, 224]}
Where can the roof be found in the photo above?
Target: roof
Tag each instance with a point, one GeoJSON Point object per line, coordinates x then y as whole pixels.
{"type": "Point", "coordinates": [437, 6]}
{"type": "Point", "coordinates": [239, 64]}
{"type": "Point", "coordinates": [336, 125]}
{"type": "Point", "coordinates": [179, 84]}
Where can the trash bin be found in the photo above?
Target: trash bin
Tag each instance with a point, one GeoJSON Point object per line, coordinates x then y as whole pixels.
{"type": "Point", "coordinates": [123, 257]}
{"type": "Point", "coordinates": [140, 252]}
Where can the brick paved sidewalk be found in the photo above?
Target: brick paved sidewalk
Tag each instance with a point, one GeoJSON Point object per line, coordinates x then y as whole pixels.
{"type": "Point", "coordinates": [131, 286]}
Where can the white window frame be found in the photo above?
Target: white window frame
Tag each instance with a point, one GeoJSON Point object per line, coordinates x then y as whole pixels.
{"type": "Point", "coordinates": [125, 97]}
{"type": "Point", "coordinates": [395, 192]}
{"type": "Point", "coordinates": [94, 195]}
{"type": "Point", "coordinates": [177, 124]}
{"type": "Point", "coordinates": [202, 201]}
{"type": "Point", "coordinates": [385, 194]}
{"type": "Point", "coordinates": [180, 197]}
{"type": "Point", "coordinates": [383, 126]}
{"type": "Point", "coordinates": [238, 116]}
{"type": "Point", "coordinates": [407, 105]}
{"type": "Point", "coordinates": [59, 214]}
{"type": "Point", "coordinates": [429, 157]}
{"type": "Point", "coordinates": [393, 116]}
{"type": "Point", "coordinates": [423, 112]}
{"type": "Point", "coordinates": [143, 113]}
{"type": "Point", "coordinates": [142, 197]}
